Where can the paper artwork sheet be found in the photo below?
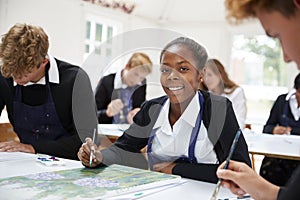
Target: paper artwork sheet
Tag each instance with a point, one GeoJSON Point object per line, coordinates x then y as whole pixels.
{"type": "Point", "coordinates": [83, 183]}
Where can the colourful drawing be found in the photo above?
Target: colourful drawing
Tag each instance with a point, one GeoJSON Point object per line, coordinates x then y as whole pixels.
{"type": "Point", "coordinates": [83, 183]}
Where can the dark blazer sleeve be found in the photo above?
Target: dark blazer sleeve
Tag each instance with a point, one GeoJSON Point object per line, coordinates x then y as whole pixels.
{"type": "Point", "coordinates": [275, 113]}
{"type": "Point", "coordinates": [221, 124]}
{"type": "Point", "coordinates": [103, 96]}
{"type": "Point", "coordinates": [126, 150]}
{"type": "Point", "coordinates": [139, 95]}
{"type": "Point", "coordinates": [6, 96]}
{"type": "Point", "coordinates": [291, 190]}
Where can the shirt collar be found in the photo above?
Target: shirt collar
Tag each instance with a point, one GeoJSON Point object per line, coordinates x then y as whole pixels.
{"type": "Point", "coordinates": [291, 97]}
{"type": "Point", "coordinates": [189, 115]}
{"type": "Point", "coordinates": [53, 73]}
{"type": "Point", "coordinates": [118, 80]}
{"type": "Point", "coordinates": [291, 94]}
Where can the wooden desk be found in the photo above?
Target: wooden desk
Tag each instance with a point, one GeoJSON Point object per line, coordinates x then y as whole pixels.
{"type": "Point", "coordinates": [7, 133]}
{"type": "Point", "coordinates": [109, 133]}
{"type": "Point", "coordinates": [23, 164]}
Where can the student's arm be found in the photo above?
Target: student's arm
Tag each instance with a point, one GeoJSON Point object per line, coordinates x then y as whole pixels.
{"type": "Point", "coordinates": [139, 95]}
{"type": "Point", "coordinates": [64, 147]}
{"type": "Point", "coordinates": [103, 96]}
{"type": "Point", "coordinates": [126, 150]}
{"type": "Point", "coordinates": [241, 179]}
{"type": "Point", "coordinates": [295, 130]}
{"type": "Point", "coordinates": [202, 172]}
{"type": "Point", "coordinates": [275, 113]}
{"type": "Point", "coordinates": [5, 92]}
{"type": "Point", "coordinates": [78, 118]}
{"type": "Point", "coordinates": [221, 123]}
{"type": "Point", "coordinates": [291, 190]}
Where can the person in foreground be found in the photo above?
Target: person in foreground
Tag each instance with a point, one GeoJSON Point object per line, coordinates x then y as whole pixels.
{"type": "Point", "coordinates": [280, 19]}
{"type": "Point", "coordinates": [49, 102]}
{"type": "Point", "coordinates": [187, 132]}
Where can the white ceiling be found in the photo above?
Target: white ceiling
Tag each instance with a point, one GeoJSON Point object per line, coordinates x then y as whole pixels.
{"type": "Point", "coordinates": [180, 10]}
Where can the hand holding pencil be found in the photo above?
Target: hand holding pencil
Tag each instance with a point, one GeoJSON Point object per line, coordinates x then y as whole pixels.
{"type": "Point", "coordinates": [89, 154]}
{"type": "Point", "coordinates": [225, 166]}
{"type": "Point", "coordinates": [241, 179]}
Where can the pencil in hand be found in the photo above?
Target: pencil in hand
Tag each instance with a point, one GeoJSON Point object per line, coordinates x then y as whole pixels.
{"type": "Point", "coordinates": [232, 148]}
{"type": "Point", "coordinates": [92, 149]}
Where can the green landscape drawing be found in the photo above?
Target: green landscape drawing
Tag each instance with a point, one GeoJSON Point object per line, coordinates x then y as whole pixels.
{"type": "Point", "coordinates": [84, 183]}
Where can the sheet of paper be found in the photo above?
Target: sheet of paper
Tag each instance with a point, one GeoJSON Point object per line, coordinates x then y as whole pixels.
{"type": "Point", "coordinates": [112, 129]}
{"type": "Point", "coordinates": [140, 194]}
{"type": "Point", "coordinates": [9, 156]}
{"type": "Point", "coordinates": [84, 183]}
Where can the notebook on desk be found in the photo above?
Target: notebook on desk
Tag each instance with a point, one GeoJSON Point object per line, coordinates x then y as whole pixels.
{"type": "Point", "coordinates": [83, 183]}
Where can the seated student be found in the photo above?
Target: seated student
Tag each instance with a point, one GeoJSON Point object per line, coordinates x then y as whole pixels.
{"type": "Point", "coordinates": [120, 95]}
{"type": "Point", "coordinates": [283, 119]}
{"type": "Point", "coordinates": [188, 132]}
{"type": "Point", "coordinates": [218, 82]}
{"type": "Point", "coordinates": [42, 96]}
{"type": "Point", "coordinates": [280, 19]}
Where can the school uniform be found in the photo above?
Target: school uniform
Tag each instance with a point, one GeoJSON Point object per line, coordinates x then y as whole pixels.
{"type": "Point", "coordinates": [55, 114]}
{"type": "Point", "coordinates": [199, 143]}
{"type": "Point", "coordinates": [110, 87]}
{"type": "Point", "coordinates": [238, 99]}
{"type": "Point", "coordinates": [291, 190]}
{"type": "Point", "coordinates": [285, 112]}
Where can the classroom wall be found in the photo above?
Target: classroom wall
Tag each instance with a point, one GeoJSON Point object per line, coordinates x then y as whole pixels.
{"type": "Point", "coordinates": [63, 20]}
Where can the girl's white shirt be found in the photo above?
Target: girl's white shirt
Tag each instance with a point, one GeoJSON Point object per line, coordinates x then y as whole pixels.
{"type": "Point", "coordinates": [238, 99]}
{"type": "Point", "coordinates": [174, 143]}
{"type": "Point", "coordinates": [291, 97]}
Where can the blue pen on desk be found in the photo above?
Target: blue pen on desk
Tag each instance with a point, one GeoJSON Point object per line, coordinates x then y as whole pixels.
{"type": "Point", "coordinates": [92, 149]}
{"type": "Point", "coordinates": [232, 148]}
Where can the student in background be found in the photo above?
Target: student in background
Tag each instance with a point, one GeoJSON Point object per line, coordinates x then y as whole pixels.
{"type": "Point", "coordinates": [218, 82]}
{"type": "Point", "coordinates": [187, 132]}
{"type": "Point", "coordinates": [284, 115]}
{"type": "Point", "coordinates": [120, 95]}
{"type": "Point", "coordinates": [283, 119]}
{"type": "Point", "coordinates": [280, 19]}
{"type": "Point", "coordinates": [49, 102]}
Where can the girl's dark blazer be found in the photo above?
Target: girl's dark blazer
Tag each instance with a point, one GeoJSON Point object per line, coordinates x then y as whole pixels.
{"type": "Point", "coordinates": [219, 120]}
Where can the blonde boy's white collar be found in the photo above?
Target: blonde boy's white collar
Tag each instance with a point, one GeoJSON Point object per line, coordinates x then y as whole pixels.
{"type": "Point", "coordinates": [118, 80]}
{"type": "Point", "coordinates": [53, 73]}
{"type": "Point", "coordinates": [189, 115]}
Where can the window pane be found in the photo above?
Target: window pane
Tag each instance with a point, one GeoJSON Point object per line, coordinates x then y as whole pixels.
{"type": "Point", "coordinates": [257, 65]}
{"type": "Point", "coordinates": [87, 48]}
{"type": "Point", "coordinates": [88, 30]}
{"type": "Point", "coordinates": [98, 32]}
{"type": "Point", "coordinates": [109, 33]}
{"type": "Point", "coordinates": [97, 50]}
